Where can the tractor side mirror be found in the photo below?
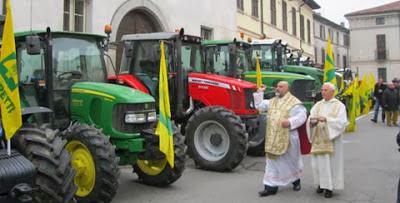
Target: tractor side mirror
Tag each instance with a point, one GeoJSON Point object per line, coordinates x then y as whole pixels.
{"type": "Point", "coordinates": [32, 45]}
{"type": "Point", "coordinates": [128, 49]}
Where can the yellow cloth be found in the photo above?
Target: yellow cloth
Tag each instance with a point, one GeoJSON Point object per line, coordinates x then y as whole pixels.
{"type": "Point", "coordinates": [277, 137]}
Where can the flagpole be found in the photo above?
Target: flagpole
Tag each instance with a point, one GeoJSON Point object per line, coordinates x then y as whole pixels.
{"type": "Point", "coordinates": [9, 147]}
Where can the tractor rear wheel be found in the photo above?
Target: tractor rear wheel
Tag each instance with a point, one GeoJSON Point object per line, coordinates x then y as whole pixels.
{"type": "Point", "coordinates": [55, 176]}
{"type": "Point", "coordinates": [159, 172]}
{"type": "Point", "coordinates": [216, 139]}
{"type": "Point", "coordinates": [94, 160]}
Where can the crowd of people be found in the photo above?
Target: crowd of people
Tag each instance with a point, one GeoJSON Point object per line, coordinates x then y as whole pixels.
{"type": "Point", "coordinates": [387, 98]}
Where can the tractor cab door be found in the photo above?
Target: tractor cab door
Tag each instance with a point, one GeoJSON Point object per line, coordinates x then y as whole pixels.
{"type": "Point", "coordinates": [32, 88]}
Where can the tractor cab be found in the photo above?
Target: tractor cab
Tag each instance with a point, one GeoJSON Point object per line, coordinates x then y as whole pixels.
{"type": "Point", "coordinates": [141, 63]}
{"type": "Point", "coordinates": [226, 57]}
{"type": "Point", "coordinates": [73, 58]}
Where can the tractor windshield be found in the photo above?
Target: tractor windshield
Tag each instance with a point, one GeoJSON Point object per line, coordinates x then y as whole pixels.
{"type": "Point", "coordinates": [264, 52]}
{"type": "Point", "coordinates": [191, 57]}
{"type": "Point", "coordinates": [268, 56]}
{"type": "Point", "coordinates": [77, 59]}
{"type": "Point", "coordinates": [218, 60]}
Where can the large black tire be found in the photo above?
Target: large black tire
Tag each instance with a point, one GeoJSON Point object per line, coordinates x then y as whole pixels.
{"type": "Point", "coordinates": [167, 175]}
{"type": "Point", "coordinates": [257, 145]}
{"type": "Point", "coordinates": [46, 150]}
{"type": "Point", "coordinates": [234, 130]}
{"type": "Point", "coordinates": [104, 158]}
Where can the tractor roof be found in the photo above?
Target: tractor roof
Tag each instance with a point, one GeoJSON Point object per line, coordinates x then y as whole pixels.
{"type": "Point", "coordinates": [43, 32]}
{"type": "Point", "coordinates": [267, 41]}
{"type": "Point", "coordinates": [157, 36]}
{"type": "Point", "coordinates": [221, 42]}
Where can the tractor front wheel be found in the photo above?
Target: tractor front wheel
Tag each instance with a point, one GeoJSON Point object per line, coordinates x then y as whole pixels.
{"type": "Point", "coordinates": [94, 160]}
{"type": "Point", "coordinates": [159, 172]}
{"type": "Point", "coordinates": [55, 176]}
{"type": "Point", "coordinates": [216, 139]}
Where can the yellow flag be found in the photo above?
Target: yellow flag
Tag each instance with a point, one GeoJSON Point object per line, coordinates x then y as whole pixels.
{"type": "Point", "coordinates": [329, 66]}
{"type": "Point", "coordinates": [9, 93]}
{"type": "Point", "coordinates": [164, 126]}
{"type": "Point", "coordinates": [364, 94]}
{"type": "Point", "coordinates": [258, 72]}
{"type": "Point", "coordinates": [354, 106]}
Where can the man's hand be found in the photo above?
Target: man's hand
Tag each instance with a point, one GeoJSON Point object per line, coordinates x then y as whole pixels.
{"type": "Point", "coordinates": [321, 119]}
{"type": "Point", "coordinates": [285, 123]}
{"type": "Point", "coordinates": [262, 88]}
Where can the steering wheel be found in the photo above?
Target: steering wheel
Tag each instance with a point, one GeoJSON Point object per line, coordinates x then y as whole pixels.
{"type": "Point", "coordinates": [71, 73]}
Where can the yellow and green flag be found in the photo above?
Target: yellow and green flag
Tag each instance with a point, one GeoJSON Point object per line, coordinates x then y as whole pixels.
{"type": "Point", "coordinates": [354, 109]}
{"type": "Point", "coordinates": [9, 93]}
{"type": "Point", "coordinates": [329, 66]}
{"type": "Point", "coordinates": [164, 126]}
{"type": "Point", "coordinates": [258, 73]}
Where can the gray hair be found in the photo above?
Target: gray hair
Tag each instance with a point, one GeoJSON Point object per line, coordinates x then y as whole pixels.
{"type": "Point", "coordinates": [330, 85]}
{"type": "Point", "coordinates": [284, 82]}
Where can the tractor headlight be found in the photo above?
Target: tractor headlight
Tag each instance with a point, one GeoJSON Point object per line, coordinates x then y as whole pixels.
{"type": "Point", "coordinates": [135, 118]}
{"type": "Point", "coordinates": [152, 116]}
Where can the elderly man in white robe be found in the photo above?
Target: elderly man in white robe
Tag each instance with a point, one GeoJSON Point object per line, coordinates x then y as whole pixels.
{"type": "Point", "coordinates": [325, 126]}
{"type": "Point", "coordinates": [285, 113]}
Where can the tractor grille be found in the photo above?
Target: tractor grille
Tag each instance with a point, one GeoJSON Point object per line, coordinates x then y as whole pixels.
{"type": "Point", "coordinates": [118, 117]}
{"type": "Point", "coordinates": [304, 90]}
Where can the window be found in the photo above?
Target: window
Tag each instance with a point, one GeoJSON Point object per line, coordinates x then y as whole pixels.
{"type": "Point", "coordinates": [322, 56]}
{"type": "Point", "coordinates": [344, 61]}
{"type": "Point", "coordinates": [239, 4]}
{"type": "Point", "coordinates": [74, 15]}
{"type": "Point", "coordinates": [380, 20]}
{"type": "Point", "coordinates": [316, 54]}
{"type": "Point", "coordinates": [302, 27]}
{"type": "Point", "coordinates": [273, 12]}
{"type": "Point", "coordinates": [206, 32]}
{"type": "Point", "coordinates": [294, 23]}
{"type": "Point", "coordinates": [380, 47]}
{"type": "Point", "coordinates": [254, 8]}
{"type": "Point", "coordinates": [308, 31]}
{"type": "Point", "coordinates": [284, 15]}
{"type": "Point", "coordinates": [322, 32]}
{"type": "Point", "coordinates": [338, 61]}
{"type": "Point", "coordinates": [337, 37]}
{"type": "Point", "coordinates": [346, 40]}
{"type": "Point", "coordinates": [382, 73]}
{"type": "Point", "coordinates": [330, 33]}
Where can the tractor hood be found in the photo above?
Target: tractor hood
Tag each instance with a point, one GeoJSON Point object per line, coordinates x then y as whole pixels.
{"type": "Point", "coordinates": [222, 80]}
{"type": "Point", "coordinates": [117, 93]}
{"type": "Point", "coordinates": [280, 75]}
{"type": "Point", "coordinates": [302, 69]}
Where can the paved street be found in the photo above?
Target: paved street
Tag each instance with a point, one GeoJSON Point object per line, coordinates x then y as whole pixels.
{"type": "Point", "coordinates": [372, 171]}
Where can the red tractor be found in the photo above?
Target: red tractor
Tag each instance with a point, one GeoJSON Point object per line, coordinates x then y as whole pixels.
{"type": "Point", "coordinates": [216, 113]}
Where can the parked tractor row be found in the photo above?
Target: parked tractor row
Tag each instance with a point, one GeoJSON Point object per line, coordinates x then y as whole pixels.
{"type": "Point", "coordinates": [80, 123]}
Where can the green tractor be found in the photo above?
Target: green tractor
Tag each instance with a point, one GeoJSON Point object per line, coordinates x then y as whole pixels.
{"type": "Point", "coordinates": [105, 125]}
{"type": "Point", "coordinates": [237, 59]}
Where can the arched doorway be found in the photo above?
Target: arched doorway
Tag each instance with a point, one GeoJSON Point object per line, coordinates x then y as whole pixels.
{"type": "Point", "coordinates": [136, 21]}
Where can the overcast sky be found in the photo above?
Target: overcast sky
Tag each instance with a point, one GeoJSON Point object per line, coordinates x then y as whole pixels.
{"type": "Point", "coordinates": [336, 9]}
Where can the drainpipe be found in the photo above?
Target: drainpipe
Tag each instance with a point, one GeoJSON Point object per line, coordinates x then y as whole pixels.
{"type": "Point", "coordinates": [301, 43]}
{"type": "Point", "coordinates": [262, 19]}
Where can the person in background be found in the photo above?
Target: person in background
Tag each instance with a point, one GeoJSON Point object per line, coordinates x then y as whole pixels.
{"type": "Point", "coordinates": [378, 91]}
{"type": "Point", "coordinates": [390, 102]}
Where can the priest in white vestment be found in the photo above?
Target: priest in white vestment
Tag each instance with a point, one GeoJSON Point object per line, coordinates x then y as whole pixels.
{"type": "Point", "coordinates": [325, 127]}
{"type": "Point", "coordinates": [285, 113]}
